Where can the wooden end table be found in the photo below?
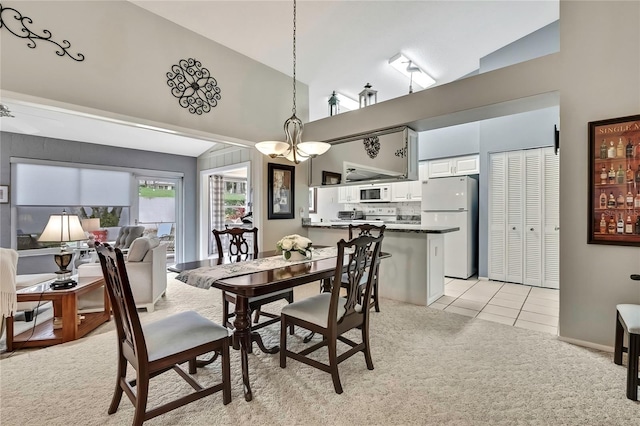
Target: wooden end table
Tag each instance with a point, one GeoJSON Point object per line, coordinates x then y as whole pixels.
{"type": "Point", "coordinates": [65, 306]}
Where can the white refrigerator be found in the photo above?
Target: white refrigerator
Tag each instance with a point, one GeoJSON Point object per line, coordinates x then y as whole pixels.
{"type": "Point", "coordinates": [453, 201]}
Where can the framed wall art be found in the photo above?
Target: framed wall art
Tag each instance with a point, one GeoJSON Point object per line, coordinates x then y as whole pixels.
{"type": "Point", "coordinates": [280, 190]}
{"type": "Point", "coordinates": [614, 181]}
{"type": "Point", "coordinates": [330, 178]}
{"type": "Point", "coordinates": [4, 193]}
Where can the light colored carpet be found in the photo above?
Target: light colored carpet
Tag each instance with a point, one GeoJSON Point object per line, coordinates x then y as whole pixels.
{"type": "Point", "coordinates": [431, 367]}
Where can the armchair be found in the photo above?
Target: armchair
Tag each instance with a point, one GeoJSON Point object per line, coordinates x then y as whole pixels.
{"type": "Point", "coordinates": [146, 267]}
{"type": "Point", "coordinates": [10, 282]}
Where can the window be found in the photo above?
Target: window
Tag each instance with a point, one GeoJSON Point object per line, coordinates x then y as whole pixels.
{"type": "Point", "coordinates": [234, 199]}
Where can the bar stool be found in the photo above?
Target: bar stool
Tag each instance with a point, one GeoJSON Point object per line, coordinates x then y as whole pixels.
{"type": "Point", "coordinates": [628, 321]}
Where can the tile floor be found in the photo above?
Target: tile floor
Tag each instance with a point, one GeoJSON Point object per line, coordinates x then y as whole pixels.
{"type": "Point", "coordinates": [518, 305]}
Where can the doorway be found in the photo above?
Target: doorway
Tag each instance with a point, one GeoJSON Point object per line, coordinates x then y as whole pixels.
{"type": "Point", "coordinates": [227, 201]}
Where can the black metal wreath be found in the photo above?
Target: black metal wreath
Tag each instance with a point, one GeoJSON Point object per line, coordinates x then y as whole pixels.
{"type": "Point", "coordinates": [193, 85]}
{"type": "Point", "coordinates": [402, 152]}
{"type": "Point", "coordinates": [5, 22]}
{"type": "Point", "coordinates": [372, 146]}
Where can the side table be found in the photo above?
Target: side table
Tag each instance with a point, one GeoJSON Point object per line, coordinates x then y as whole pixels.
{"type": "Point", "coordinates": [65, 306]}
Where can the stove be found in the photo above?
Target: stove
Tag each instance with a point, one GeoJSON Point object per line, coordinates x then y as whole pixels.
{"type": "Point", "coordinates": [379, 215]}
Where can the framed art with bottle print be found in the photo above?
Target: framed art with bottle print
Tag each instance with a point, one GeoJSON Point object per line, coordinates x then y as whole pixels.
{"type": "Point", "coordinates": [614, 173]}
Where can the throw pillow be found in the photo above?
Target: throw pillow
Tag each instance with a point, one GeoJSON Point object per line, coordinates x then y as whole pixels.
{"type": "Point", "coordinates": [138, 249]}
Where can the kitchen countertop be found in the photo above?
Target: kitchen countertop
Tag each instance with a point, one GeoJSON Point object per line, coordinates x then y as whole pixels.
{"type": "Point", "coordinates": [394, 227]}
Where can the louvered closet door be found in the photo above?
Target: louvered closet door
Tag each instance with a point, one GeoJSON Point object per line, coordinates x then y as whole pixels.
{"type": "Point", "coordinates": [551, 208]}
{"type": "Point", "coordinates": [497, 217]}
{"type": "Point", "coordinates": [515, 222]}
{"type": "Point", "coordinates": [532, 218]}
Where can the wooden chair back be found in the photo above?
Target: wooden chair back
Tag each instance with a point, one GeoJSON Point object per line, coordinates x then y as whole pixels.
{"type": "Point", "coordinates": [354, 260]}
{"type": "Point", "coordinates": [239, 246]}
{"type": "Point", "coordinates": [129, 329]}
{"type": "Point", "coordinates": [365, 229]}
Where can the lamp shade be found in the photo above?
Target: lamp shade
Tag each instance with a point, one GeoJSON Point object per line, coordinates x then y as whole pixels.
{"type": "Point", "coordinates": [91, 224]}
{"type": "Point", "coordinates": [62, 228]}
{"type": "Point", "coordinates": [314, 148]}
{"type": "Point", "coordinates": [272, 148]}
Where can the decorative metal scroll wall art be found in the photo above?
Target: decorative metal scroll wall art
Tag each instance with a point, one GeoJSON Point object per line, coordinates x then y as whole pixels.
{"type": "Point", "coordinates": [402, 153]}
{"type": "Point", "coordinates": [10, 16]}
{"type": "Point", "coordinates": [371, 146]}
{"type": "Point", "coordinates": [193, 85]}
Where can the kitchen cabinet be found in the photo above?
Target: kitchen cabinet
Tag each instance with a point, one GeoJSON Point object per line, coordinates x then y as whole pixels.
{"type": "Point", "coordinates": [455, 166]}
{"type": "Point", "coordinates": [435, 267]}
{"type": "Point", "coordinates": [410, 190]}
{"type": "Point", "coordinates": [349, 194]}
{"type": "Point", "coordinates": [524, 217]}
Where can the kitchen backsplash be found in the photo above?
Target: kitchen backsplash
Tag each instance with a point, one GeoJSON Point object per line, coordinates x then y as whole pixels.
{"type": "Point", "coordinates": [407, 212]}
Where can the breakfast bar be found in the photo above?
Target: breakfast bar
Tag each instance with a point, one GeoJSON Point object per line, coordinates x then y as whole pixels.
{"type": "Point", "coordinates": [415, 272]}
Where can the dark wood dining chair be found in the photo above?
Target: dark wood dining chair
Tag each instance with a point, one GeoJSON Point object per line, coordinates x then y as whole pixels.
{"type": "Point", "coordinates": [152, 349]}
{"type": "Point", "coordinates": [243, 245]}
{"type": "Point", "coordinates": [374, 231]}
{"type": "Point", "coordinates": [332, 315]}
{"type": "Point", "coordinates": [628, 322]}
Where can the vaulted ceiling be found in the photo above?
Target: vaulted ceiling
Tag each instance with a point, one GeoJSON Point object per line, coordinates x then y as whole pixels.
{"type": "Point", "coordinates": [341, 45]}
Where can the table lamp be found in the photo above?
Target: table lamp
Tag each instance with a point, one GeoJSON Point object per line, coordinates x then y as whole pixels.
{"type": "Point", "coordinates": [90, 225]}
{"type": "Point", "coordinates": [63, 228]}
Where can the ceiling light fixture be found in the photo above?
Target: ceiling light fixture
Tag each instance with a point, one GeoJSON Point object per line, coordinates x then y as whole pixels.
{"type": "Point", "coordinates": [293, 149]}
{"type": "Point", "coordinates": [408, 68]}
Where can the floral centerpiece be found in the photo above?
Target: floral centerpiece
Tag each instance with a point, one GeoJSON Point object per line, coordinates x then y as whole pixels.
{"type": "Point", "coordinates": [295, 247]}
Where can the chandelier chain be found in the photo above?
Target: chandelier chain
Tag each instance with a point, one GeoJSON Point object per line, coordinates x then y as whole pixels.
{"type": "Point", "coordinates": [294, 58]}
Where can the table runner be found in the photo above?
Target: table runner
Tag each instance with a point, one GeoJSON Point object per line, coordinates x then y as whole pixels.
{"type": "Point", "coordinates": [204, 277]}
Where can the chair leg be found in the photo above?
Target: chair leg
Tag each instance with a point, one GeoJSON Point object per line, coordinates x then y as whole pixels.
{"type": "Point", "coordinates": [226, 375]}
{"type": "Point", "coordinates": [290, 300]}
{"type": "Point", "coordinates": [28, 316]}
{"type": "Point", "coordinates": [283, 342]}
{"type": "Point", "coordinates": [142, 392]}
{"type": "Point", "coordinates": [117, 393]}
{"type": "Point", "coordinates": [333, 364]}
{"type": "Point", "coordinates": [225, 310]}
{"type": "Point", "coordinates": [192, 366]}
{"type": "Point", "coordinates": [257, 316]}
{"type": "Point", "coordinates": [365, 340]}
{"type": "Point", "coordinates": [632, 368]}
{"type": "Point", "coordinates": [617, 351]}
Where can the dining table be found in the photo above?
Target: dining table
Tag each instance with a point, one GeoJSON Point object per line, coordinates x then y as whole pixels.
{"type": "Point", "coordinates": [253, 283]}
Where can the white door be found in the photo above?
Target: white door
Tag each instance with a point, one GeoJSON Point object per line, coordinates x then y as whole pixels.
{"type": "Point", "coordinates": [524, 217]}
{"type": "Point", "coordinates": [551, 236]}
{"type": "Point", "coordinates": [533, 218]}
{"type": "Point", "coordinates": [497, 217]}
{"type": "Point", "coordinates": [514, 201]}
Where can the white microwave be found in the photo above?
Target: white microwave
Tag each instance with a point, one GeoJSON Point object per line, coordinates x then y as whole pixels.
{"type": "Point", "coordinates": [375, 193]}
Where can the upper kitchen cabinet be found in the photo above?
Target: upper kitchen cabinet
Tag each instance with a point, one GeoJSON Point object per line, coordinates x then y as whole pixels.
{"type": "Point", "coordinates": [410, 190]}
{"type": "Point", "coordinates": [349, 194]}
{"type": "Point", "coordinates": [382, 156]}
{"type": "Point", "coordinates": [455, 166]}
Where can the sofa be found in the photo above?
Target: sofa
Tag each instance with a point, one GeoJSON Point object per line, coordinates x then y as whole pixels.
{"type": "Point", "coordinates": [146, 265]}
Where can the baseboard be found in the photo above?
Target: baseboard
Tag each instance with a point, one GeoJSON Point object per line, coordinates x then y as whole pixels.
{"type": "Point", "coordinates": [586, 344]}
{"type": "Point", "coordinates": [483, 278]}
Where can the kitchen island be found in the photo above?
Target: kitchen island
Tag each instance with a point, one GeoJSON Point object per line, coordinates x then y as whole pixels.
{"type": "Point", "coordinates": [415, 271]}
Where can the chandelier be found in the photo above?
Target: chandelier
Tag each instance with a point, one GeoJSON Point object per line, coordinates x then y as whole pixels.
{"type": "Point", "coordinates": [293, 149]}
